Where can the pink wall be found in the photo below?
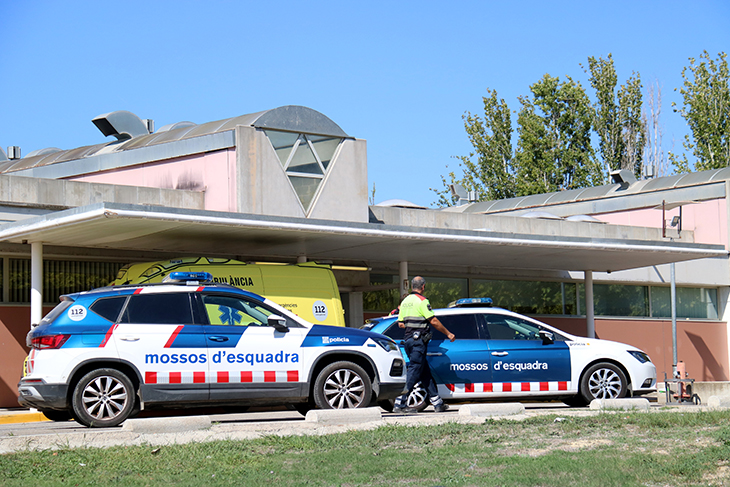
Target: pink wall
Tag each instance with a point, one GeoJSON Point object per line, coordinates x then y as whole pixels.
{"type": "Point", "coordinates": [707, 219]}
{"type": "Point", "coordinates": [14, 326]}
{"type": "Point", "coordinates": [701, 345]}
{"type": "Point", "coordinates": [213, 172]}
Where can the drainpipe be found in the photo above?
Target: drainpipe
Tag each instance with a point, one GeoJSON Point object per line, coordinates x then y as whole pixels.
{"type": "Point", "coordinates": [36, 283]}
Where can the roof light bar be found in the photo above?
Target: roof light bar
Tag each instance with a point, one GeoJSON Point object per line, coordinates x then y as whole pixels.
{"type": "Point", "coordinates": [189, 277]}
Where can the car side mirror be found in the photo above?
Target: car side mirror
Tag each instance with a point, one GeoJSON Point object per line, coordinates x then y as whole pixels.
{"type": "Point", "coordinates": [279, 323]}
{"type": "Point", "coordinates": [547, 337]}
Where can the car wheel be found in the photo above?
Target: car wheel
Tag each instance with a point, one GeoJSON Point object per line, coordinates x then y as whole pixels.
{"type": "Point", "coordinates": [56, 415]}
{"type": "Point", "coordinates": [342, 385]}
{"type": "Point", "coordinates": [103, 398]}
{"type": "Point", "coordinates": [603, 381]}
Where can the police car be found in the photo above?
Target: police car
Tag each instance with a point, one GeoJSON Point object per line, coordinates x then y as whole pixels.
{"type": "Point", "coordinates": [101, 356]}
{"type": "Point", "coordinates": [500, 354]}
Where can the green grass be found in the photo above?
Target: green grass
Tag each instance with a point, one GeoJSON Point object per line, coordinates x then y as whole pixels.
{"type": "Point", "coordinates": [622, 449]}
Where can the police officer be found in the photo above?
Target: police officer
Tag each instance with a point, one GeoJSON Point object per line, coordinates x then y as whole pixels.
{"type": "Point", "coordinates": [415, 316]}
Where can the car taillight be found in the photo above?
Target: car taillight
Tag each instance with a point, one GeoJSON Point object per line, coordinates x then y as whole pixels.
{"type": "Point", "coordinates": [48, 341]}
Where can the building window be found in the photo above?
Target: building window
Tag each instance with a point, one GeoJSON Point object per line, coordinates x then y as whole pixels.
{"type": "Point", "coordinates": [620, 300]}
{"type": "Point", "coordinates": [528, 297]}
{"type": "Point", "coordinates": [59, 277]}
{"type": "Point", "coordinates": [381, 300]}
{"type": "Point", "coordinates": [305, 159]}
{"type": "Point", "coordinates": [554, 298]}
{"type": "Point", "coordinates": [691, 302]}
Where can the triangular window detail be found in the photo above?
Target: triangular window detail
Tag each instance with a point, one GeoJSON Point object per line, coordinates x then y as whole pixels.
{"type": "Point", "coordinates": [324, 147]}
{"type": "Point", "coordinates": [305, 188]}
{"type": "Point", "coordinates": [305, 159]}
{"type": "Point", "coordinates": [283, 143]}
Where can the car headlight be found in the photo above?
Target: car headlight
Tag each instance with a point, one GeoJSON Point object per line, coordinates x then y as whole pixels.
{"type": "Point", "coordinates": [640, 356]}
{"type": "Point", "coordinates": [388, 345]}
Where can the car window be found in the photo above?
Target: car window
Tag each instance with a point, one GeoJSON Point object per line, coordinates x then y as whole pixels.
{"type": "Point", "coordinates": [238, 311]}
{"type": "Point", "coordinates": [463, 326]}
{"type": "Point", "coordinates": [510, 328]}
{"type": "Point", "coordinates": [395, 332]}
{"type": "Point", "coordinates": [162, 308]}
{"type": "Point", "coordinates": [109, 308]}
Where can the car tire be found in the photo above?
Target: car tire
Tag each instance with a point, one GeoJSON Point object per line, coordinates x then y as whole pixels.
{"type": "Point", "coordinates": [103, 398]}
{"type": "Point", "coordinates": [603, 381]}
{"type": "Point", "coordinates": [342, 385]}
{"type": "Point", "coordinates": [56, 415]}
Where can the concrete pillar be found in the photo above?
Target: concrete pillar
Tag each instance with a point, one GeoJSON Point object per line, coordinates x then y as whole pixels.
{"type": "Point", "coordinates": [36, 283]}
{"type": "Point", "coordinates": [590, 320]}
{"type": "Point", "coordinates": [356, 317]}
{"type": "Point", "coordinates": [404, 287]}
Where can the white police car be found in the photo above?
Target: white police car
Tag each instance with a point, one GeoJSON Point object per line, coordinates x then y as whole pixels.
{"type": "Point", "coordinates": [501, 354]}
{"type": "Point", "coordinates": [101, 356]}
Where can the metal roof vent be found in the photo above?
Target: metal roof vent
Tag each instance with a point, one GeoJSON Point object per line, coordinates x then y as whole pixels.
{"type": "Point", "coordinates": [14, 152]}
{"type": "Point", "coordinates": [623, 176]}
{"type": "Point", "coordinates": [121, 124]}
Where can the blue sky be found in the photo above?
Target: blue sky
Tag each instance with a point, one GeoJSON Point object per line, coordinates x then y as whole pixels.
{"type": "Point", "coordinates": [398, 74]}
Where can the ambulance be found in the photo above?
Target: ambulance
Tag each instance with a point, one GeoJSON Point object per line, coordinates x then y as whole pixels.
{"type": "Point", "coordinates": [308, 290]}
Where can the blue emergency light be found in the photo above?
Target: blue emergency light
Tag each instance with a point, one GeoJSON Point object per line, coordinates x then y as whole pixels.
{"type": "Point", "coordinates": [189, 277]}
{"type": "Point", "coordinates": [471, 302]}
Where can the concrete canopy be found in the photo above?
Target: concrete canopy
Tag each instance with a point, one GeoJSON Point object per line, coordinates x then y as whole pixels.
{"type": "Point", "coordinates": [198, 232]}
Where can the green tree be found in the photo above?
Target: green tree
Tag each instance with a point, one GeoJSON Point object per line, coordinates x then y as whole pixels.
{"type": "Point", "coordinates": [617, 118]}
{"type": "Point", "coordinates": [706, 108]}
{"type": "Point", "coordinates": [554, 150]}
{"type": "Point", "coordinates": [488, 169]}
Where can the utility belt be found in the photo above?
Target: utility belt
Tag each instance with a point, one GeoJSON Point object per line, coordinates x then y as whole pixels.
{"type": "Point", "coordinates": [423, 334]}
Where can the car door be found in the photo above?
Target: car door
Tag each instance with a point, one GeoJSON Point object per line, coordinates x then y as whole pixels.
{"type": "Point", "coordinates": [249, 359]}
{"type": "Point", "coordinates": [460, 367]}
{"type": "Point", "coordinates": [157, 333]}
{"type": "Point", "coordinates": [521, 362]}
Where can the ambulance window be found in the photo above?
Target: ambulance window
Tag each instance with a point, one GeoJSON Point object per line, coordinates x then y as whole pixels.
{"type": "Point", "coordinates": [162, 308]}
{"type": "Point", "coordinates": [108, 308]}
{"type": "Point", "coordinates": [237, 311]}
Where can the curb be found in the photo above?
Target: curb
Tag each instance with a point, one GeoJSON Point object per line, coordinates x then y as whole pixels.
{"type": "Point", "coordinates": [343, 416]}
{"type": "Point", "coordinates": [178, 424]}
{"type": "Point", "coordinates": [497, 409]}
{"type": "Point", "coordinates": [24, 417]}
{"type": "Point", "coordinates": [624, 404]}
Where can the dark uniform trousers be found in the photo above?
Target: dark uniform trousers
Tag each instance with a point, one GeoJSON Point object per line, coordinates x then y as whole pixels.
{"type": "Point", "coordinates": [418, 371]}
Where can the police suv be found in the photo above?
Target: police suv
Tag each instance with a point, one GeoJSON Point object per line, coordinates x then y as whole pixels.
{"type": "Point", "coordinates": [102, 356]}
{"type": "Point", "coordinates": [499, 354]}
